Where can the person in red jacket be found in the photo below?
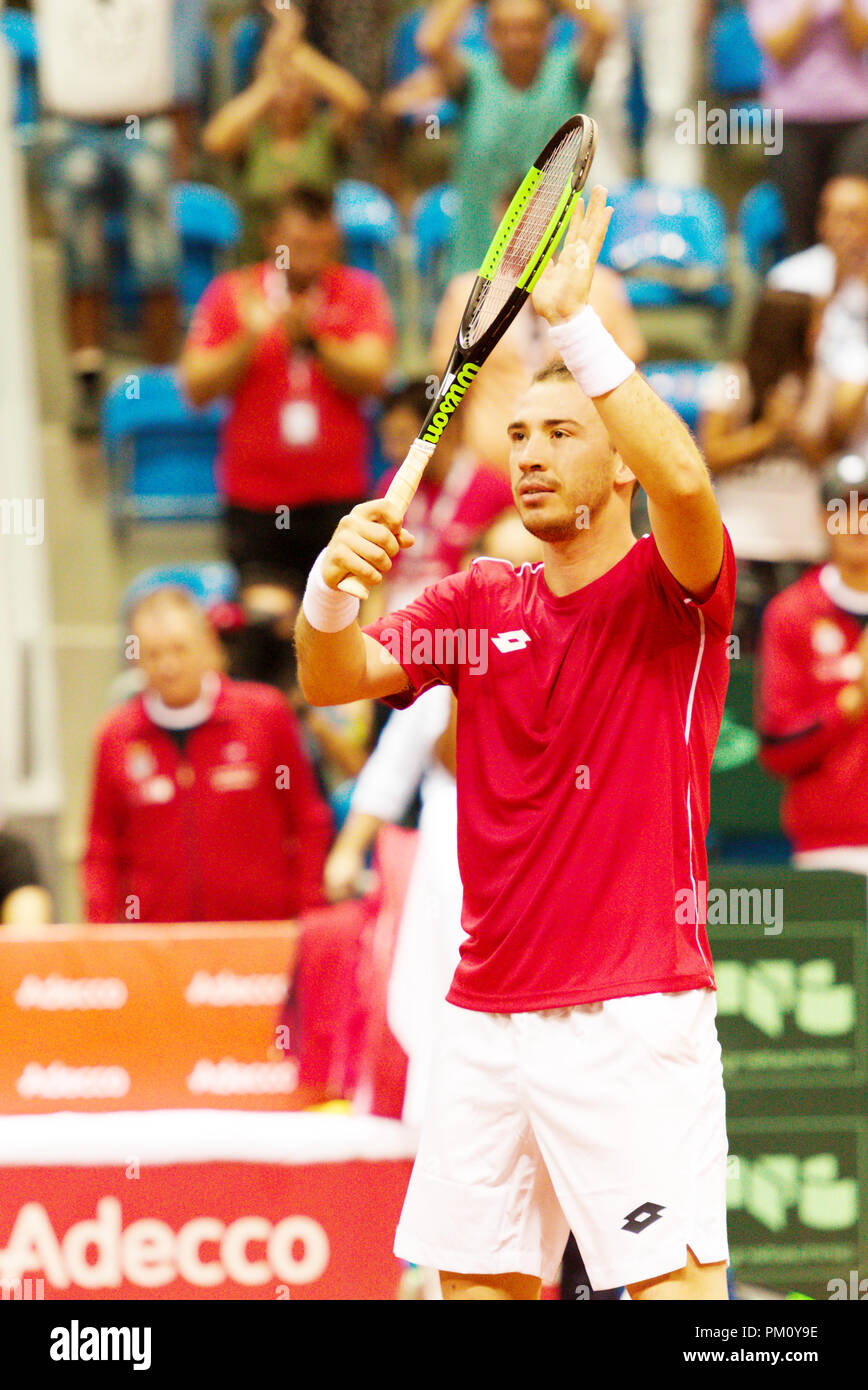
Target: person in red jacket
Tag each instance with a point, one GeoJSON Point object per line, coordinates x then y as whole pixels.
{"type": "Point", "coordinates": [204, 805]}
{"type": "Point", "coordinates": [813, 694]}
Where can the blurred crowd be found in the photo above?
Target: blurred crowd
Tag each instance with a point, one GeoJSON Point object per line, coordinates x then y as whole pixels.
{"type": "Point", "coordinates": [217, 793]}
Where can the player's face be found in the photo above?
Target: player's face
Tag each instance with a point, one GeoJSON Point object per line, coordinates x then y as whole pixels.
{"type": "Point", "coordinates": [175, 652]}
{"type": "Point", "coordinates": [561, 459]}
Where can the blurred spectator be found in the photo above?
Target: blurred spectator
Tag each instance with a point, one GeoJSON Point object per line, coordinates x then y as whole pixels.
{"type": "Point", "coordinates": [816, 75]}
{"type": "Point", "coordinates": [512, 97]}
{"type": "Point", "coordinates": [337, 739]}
{"type": "Point", "coordinates": [430, 933]}
{"type": "Point", "coordinates": [813, 699]}
{"type": "Point", "coordinates": [296, 344]}
{"type": "Point", "coordinates": [842, 226]}
{"type": "Point", "coordinates": [117, 79]}
{"type": "Point", "coordinates": [204, 807]}
{"type": "Point", "coordinates": [666, 34]}
{"type": "Point", "coordinates": [523, 349]}
{"type": "Point", "coordinates": [352, 35]}
{"type": "Point", "coordinates": [291, 125]}
{"type": "Point", "coordinates": [456, 499]}
{"type": "Point", "coordinates": [260, 647]}
{"type": "Point", "coordinates": [754, 433]}
{"type": "Point", "coordinates": [24, 901]}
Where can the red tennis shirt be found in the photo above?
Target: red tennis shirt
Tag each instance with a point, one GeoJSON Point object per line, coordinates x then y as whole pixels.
{"type": "Point", "coordinates": [586, 728]}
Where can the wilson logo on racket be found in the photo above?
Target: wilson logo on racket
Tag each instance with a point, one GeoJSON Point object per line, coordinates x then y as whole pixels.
{"type": "Point", "coordinates": [450, 402]}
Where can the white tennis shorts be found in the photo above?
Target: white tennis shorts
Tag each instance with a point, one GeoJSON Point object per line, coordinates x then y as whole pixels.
{"type": "Point", "coordinates": [605, 1119]}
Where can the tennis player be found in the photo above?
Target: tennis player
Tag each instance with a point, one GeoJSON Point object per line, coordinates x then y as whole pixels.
{"type": "Point", "coordinates": [578, 1080]}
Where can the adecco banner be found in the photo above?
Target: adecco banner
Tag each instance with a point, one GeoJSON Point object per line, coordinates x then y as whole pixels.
{"type": "Point", "coordinates": [317, 1224]}
{"type": "Point", "coordinates": [142, 1018]}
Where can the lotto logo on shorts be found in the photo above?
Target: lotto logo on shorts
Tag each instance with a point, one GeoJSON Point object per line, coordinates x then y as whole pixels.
{"type": "Point", "coordinates": [642, 1218]}
{"type": "Point", "coordinates": [511, 641]}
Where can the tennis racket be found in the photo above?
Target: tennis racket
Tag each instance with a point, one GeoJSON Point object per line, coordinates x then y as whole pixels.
{"type": "Point", "coordinates": [523, 245]}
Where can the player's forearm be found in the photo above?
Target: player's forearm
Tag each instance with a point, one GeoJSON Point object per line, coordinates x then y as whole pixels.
{"type": "Point", "coordinates": [653, 442]}
{"type": "Point", "coordinates": [331, 665]}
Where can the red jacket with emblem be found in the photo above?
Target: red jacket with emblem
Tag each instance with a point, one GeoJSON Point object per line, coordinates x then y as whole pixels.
{"type": "Point", "coordinates": [232, 828]}
{"type": "Point", "coordinates": [808, 655]}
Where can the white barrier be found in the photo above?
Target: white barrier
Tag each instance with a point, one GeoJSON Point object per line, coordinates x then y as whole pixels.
{"type": "Point", "coordinates": [29, 778]}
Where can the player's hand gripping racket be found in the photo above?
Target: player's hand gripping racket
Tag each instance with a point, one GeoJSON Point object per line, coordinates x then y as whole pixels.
{"type": "Point", "coordinates": [523, 245]}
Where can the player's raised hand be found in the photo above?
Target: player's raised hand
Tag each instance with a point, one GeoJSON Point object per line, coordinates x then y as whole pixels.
{"type": "Point", "coordinates": [365, 543]}
{"type": "Point", "coordinates": [564, 286]}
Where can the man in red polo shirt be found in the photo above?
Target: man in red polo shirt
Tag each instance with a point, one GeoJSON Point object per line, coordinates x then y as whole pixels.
{"type": "Point", "coordinates": [296, 343]}
{"type": "Point", "coordinates": [204, 806]}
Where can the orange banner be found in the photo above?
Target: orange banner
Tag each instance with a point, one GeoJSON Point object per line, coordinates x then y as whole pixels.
{"type": "Point", "coordinates": [140, 1018]}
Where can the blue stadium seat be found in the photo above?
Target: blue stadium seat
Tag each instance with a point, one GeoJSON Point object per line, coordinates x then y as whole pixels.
{"type": "Point", "coordinates": [671, 245]}
{"type": "Point", "coordinates": [209, 224]}
{"type": "Point", "coordinates": [736, 60]}
{"type": "Point", "coordinates": [681, 385]}
{"type": "Point", "coordinates": [762, 227]}
{"type": "Point", "coordinates": [215, 581]}
{"type": "Point", "coordinates": [371, 225]}
{"type": "Point", "coordinates": [432, 219]}
{"type": "Point", "coordinates": [160, 451]}
{"type": "Point", "coordinates": [19, 31]}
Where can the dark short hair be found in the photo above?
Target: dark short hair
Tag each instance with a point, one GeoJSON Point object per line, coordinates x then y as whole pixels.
{"type": "Point", "coordinates": [312, 202]}
{"type": "Point", "coordinates": [556, 370]}
{"type": "Point", "coordinates": [411, 395]}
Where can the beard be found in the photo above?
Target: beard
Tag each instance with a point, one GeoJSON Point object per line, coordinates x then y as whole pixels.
{"type": "Point", "coordinates": [553, 529]}
{"type": "Point", "coordinates": [562, 529]}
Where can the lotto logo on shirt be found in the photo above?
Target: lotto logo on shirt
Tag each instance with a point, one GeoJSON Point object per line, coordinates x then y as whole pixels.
{"type": "Point", "coordinates": [511, 641]}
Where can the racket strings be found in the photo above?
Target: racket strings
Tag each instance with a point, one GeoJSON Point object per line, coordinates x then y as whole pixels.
{"type": "Point", "coordinates": [555, 174]}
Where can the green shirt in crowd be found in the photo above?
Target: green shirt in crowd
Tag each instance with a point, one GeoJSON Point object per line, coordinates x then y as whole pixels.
{"type": "Point", "coordinates": [503, 128]}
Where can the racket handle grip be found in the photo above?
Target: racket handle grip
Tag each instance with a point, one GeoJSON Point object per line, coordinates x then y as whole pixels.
{"type": "Point", "coordinates": [402, 490]}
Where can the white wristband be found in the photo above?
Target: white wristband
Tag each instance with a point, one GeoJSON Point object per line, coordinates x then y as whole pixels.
{"type": "Point", "coordinates": [325, 608]}
{"type": "Point", "coordinates": [590, 352]}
